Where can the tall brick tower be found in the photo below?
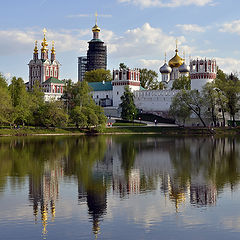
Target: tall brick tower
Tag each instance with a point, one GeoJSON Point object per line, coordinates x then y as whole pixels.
{"type": "Point", "coordinates": [97, 51]}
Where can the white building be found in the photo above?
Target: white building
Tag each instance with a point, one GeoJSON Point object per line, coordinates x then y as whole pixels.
{"type": "Point", "coordinates": [109, 94]}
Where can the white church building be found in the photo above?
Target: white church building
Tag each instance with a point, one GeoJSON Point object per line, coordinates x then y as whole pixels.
{"type": "Point", "coordinates": [108, 94]}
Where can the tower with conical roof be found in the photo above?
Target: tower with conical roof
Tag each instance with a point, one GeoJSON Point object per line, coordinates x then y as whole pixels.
{"type": "Point", "coordinates": [97, 51]}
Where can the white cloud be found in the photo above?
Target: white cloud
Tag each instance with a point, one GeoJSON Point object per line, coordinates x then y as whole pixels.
{"type": "Point", "coordinates": [228, 65]}
{"type": "Point", "coordinates": [168, 3]}
{"type": "Point", "coordinates": [191, 28]}
{"type": "Point", "coordinates": [232, 27]}
{"type": "Point", "coordinates": [88, 15]}
{"type": "Point", "coordinates": [145, 41]}
{"type": "Point", "coordinates": [20, 41]}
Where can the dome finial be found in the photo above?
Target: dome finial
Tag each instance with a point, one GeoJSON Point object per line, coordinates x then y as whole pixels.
{"type": "Point", "coordinates": [96, 15]}
{"type": "Point", "coordinates": [36, 48]}
{"type": "Point", "coordinates": [176, 45]}
{"type": "Point", "coordinates": [44, 42]}
{"type": "Point", "coordinates": [53, 49]}
{"type": "Point", "coordinates": [165, 57]}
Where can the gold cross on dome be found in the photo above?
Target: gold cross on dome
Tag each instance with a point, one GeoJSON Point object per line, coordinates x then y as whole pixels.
{"type": "Point", "coordinates": [96, 15]}
{"type": "Point", "coordinates": [44, 31]}
{"type": "Point", "coordinates": [176, 43]}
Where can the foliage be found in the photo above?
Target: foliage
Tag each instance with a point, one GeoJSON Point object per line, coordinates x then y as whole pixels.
{"type": "Point", "coordinates": [191, 100]}
{"type": "Point", "coordinates": [51, 115]}
{"type": "Point", "coordinates": [182, 83]}
{"type": "Point", "coordinates": [6, 109]}
{"type": "Point", "coordinates": [83, 110]}
{"type": "Point", "coordinates": [230, 88]}
{"type": "Point", "coordinates": [98, 75]}
{"type": "Point", "coordinates": [20, 101]}
{"type": "Point", "coordinates": [122, 66]}
{"type": "Point", "coordinates": [148, 79]}
{"type": "Point", "coordinates": [180, 112]}
{"type": "Point", "coordinates": [128, 107]}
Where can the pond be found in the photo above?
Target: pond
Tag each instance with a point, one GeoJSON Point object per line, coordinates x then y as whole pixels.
{"type": "Point", "coordinates": [119, 187]}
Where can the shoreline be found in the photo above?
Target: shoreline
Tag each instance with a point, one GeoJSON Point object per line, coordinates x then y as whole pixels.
{"type": "Point", "coordinates": [156, 130]}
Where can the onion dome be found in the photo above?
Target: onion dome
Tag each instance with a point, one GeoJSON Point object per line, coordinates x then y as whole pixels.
{"type": "Point", "coordinates": [53, 48]}
{"type": "Point", "coordinates": [184, 68]}
{"type": "Point", "coordinates": [44, 42]}
{"type": "Point", "coordinates": [96, 28]}
{"type": "Point", "coordinates": [165, 69]}
{"type": "Point", "coordinates": [36, 48]}
{"type": "Point", "coordinates": [176, 61]}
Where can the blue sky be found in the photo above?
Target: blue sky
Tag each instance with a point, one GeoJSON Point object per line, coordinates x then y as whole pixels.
{"type": "Point", "coordinates": [136, 32]}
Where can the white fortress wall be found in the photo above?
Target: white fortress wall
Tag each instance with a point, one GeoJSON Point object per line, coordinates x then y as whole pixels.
{"type": "Point", "coordinates": [154, 100]}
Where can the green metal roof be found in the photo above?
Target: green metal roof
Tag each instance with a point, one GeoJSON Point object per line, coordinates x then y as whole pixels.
{"type": "Point", "coordinates": [100, 86]}
{"type": "Point", "coordinates": [96, 40]}
{"type": "Point", "coordinates": [54, 80]}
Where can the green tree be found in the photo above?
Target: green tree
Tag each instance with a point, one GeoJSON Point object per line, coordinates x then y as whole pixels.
{"type": "Point", "coordinates": [148, 79]}
{"type": "Point", "coordinates": [182, 83]}
{"type": "Point", "coordinates": [191, 100]}
{"type": "Point", "coordinates": [122, 66]}
{"type": "Point", "coordinates": [20, 101]}
{"type": "Point", "coordinates": [6, 109]}
{"type": "Point", "coordinates": [129, 109]}
{"type": "Point", "coordinates": [51, 115]}
{"type": "Point", "coordinates": [98, 75]}
{"type": "Point", "coordinates": [180, 112]}
{"type": "Point", "coordinates": [81, 97]}
{"type": "Point", "coordinates": [78, 117]}
{"type": "Point", "coordinates": [230, 88]}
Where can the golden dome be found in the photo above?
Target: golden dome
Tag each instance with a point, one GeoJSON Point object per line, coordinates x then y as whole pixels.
{"type": "Point", "coordinates": [53, 49]}
{"type": "Point", "coordinates": [44, 42]}
{"type": "Point", "coordinates": [176, 61]}
{"type": "Point", "coordinates": [96, 28]}
{"type": "Point", "coordinates": [36, 48]}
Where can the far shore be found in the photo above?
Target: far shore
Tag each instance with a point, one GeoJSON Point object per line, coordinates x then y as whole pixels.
{"type": "Point", "coordinates": [138, 130]}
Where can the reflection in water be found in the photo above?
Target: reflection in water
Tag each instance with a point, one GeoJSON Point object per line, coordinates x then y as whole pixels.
{"type": "Point", "coordinates": [193, 170]}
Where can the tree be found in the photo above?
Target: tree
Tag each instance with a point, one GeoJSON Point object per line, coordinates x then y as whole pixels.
{"type": "Point", "coordinates": [230, 88]}
{"type": "Point", "coordinates": [51, 115]}
{"type": "Point", "coordinates": [129, 109]}
{"type": "Point", "coordinates": [122, 66]}
{"type": "Point", "coordinates": [191, 100]}
{"type": "Point", "coordinates": [20, 101]}
{"type": "Point", "coordinates": [182, 83]}
{"type": "Point", "coordinates": [78, 117]}
{"type": "Point", "coordinates": [98, 75]}
{"type": "Point", "coordinates": [180, 112]}
{"type": "Point", "coordinates": [6, 109]}
{"type": "Point", "coordinates": [83, 106]}
{"type": "Point", "coordinates": [148, 79]}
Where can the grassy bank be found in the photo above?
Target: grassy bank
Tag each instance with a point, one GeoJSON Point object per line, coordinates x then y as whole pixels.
{"type": "Point", "coordinates": [171, 131]}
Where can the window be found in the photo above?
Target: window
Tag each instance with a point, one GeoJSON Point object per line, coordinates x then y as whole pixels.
{"type": "Point", "coordinates": [117, 93]}
{"type": "Point", "coordinates": [106, 96]}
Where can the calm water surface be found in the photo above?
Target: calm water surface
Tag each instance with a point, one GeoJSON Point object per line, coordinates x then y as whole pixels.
{"type": "Point", "coordinates": [120, 187]}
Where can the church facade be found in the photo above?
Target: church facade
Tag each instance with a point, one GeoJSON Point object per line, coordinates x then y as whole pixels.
{"type": "Point", "coordinates": [45, 71]}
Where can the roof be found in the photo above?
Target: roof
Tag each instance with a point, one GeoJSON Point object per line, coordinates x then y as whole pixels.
{"type": "Point", "coordinates": [54, 80]}
{"type": "Point", "coordinates": [101, 86]}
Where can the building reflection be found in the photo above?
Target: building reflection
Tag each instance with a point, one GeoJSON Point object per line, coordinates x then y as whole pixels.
{"type": "Point", "coordinates": [43, 193]}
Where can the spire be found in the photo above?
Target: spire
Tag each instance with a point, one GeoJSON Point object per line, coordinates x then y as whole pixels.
{"type": "Point", "coordinates": [176, 45]}
{"type": "Point", "coordinates": [35, 52]}
{"type": "Point", "coordinates": [53, 52]}
{"type": "Point", "coordinates": [44, 49]}
{"type": "Point", "coordinates": [36, 48]}
{"type": "Point", "coordinates": [96, 15]}
{"type": "Point", "coordinates": [53, 49]}
{"type": "Point", "coordinates": [96, 29]}
{"type": "Point", "coordinates": [44, 42]}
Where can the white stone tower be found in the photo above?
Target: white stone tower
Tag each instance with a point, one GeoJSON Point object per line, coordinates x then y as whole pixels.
{"type": "Point", "coordinates": [202, 72]}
